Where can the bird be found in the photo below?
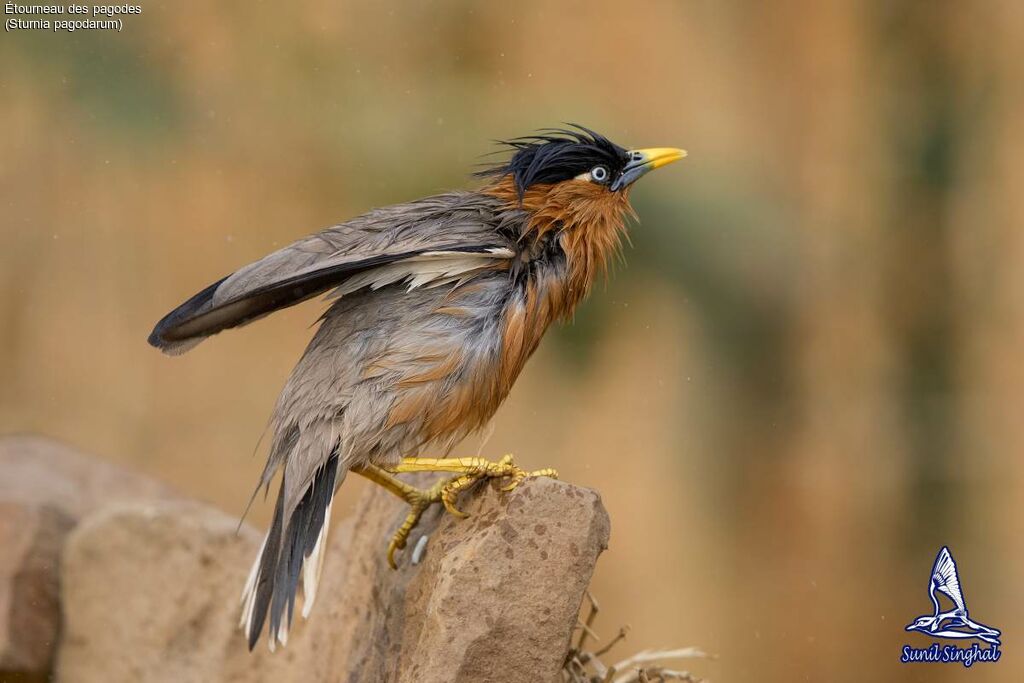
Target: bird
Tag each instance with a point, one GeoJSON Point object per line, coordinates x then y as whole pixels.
{"type": "Point", "coordinates": [946, 581]}
{"type": "Point", "coordinates": [435, 307]}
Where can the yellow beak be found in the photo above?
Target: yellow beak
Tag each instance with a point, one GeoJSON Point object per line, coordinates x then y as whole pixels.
{"type": "Point", "coordinates": [642, 161]}
{"type": "Point", "coordinates": [660, 156]}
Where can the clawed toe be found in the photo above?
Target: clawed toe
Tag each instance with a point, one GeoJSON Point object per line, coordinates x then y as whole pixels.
{"type": "Point", "coordinates": [450, 493]}
{"type": "Point", "coordinates": [471, 470]}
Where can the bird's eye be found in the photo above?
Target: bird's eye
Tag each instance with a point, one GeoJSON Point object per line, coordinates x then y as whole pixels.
{"type": "Point", "coordinates": [599, 174]}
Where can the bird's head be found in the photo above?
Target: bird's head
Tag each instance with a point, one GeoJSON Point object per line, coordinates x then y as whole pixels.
{"type": "Point", "coordinates": [556, 156]}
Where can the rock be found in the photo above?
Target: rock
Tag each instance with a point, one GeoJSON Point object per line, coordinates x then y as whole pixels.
{"type": "Point", "coordinates": [35, 469]}
{"type": "Point", "coordinates": [31, 537]}
{"type": "Point", "coordinates": [497, 595]}
{"type": "Point", "coordinates": [45, 487]}
{"type": "Point", "coordinates": [151, 594]}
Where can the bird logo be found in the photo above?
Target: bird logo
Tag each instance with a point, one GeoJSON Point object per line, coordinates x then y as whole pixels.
{"type": "Point", "coordinates": [954, 623]}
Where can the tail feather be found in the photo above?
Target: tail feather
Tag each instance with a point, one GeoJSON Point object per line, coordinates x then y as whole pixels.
{"type": "Point", "coordinates": [273, 581]}
{"type": "Point", "coordinates": [313, 566]}
{"type": "Point", "coordinates": [250, 590]}
{"type": "Point", "coordinates": [258, 598]}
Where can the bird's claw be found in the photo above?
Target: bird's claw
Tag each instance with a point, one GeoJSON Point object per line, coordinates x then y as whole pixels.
{"type": "Point", "coordinates": [484, 469]}
{"type": "Point", "coordinates": [450, 493]}
{"type": "Point", "coordinates": [519, 476]}
{"type": "Point", "coordinates": [471, 470]}
{"type": "Point", "coordinates": [419, 500]}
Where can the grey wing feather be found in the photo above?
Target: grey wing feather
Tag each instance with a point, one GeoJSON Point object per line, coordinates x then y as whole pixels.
{"type": "Point", "coordinates": [436, 237]}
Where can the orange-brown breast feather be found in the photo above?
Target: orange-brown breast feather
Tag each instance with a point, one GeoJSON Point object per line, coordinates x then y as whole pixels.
{"type": "Point", "coordinates": [590, 220]}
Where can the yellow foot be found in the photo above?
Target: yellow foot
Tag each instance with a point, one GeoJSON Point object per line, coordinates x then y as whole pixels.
{"type": "Point", "coordinates": [470, 471]}
{"type": "Point", "coordinates": [419, 500]}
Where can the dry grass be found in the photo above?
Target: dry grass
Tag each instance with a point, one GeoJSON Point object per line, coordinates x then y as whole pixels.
{"type": "Point", "coordinates": [583, 665]}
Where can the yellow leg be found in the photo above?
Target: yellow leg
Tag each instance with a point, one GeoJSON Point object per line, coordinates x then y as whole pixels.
{"type": "Point", "coordinates": [479, 467]}
{"type": "Point", "coordinates": [382, 477]}
{"type": "Point", "coordinates": [446, 491]}
{"type": "Point", "coordinates": [470, 470]}
{"type": "Point", "coordinates": [418, 499]}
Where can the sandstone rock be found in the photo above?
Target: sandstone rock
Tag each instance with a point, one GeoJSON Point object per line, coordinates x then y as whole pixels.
{"type": "Point", "coordinates": [151, 594]}
{"type": "Point", "coordinates": [35, 469]}
{"type": "Point", "coordinates": [45, 487]}
{"type": "Point", "coordinates": [31, 537]}
{"type": "Point", "coordinates": [495, 598]}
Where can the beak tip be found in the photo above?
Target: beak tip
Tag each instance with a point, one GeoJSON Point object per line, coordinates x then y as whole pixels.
{"type": "Point", "coordinates": [663, 156]}
{"type": "Point", "coordinates": [676, 155]}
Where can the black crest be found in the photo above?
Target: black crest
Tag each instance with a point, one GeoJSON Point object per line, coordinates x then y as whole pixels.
{"type": "Point", "coordinates": [557, 154]}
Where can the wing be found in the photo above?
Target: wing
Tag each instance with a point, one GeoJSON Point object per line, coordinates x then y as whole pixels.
{"type": "Point", "coordinates": [423, 243]}
{"type": "Point", "coordinates": [945, 578]}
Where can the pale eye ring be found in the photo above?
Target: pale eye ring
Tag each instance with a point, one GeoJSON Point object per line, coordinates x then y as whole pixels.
{"type": "Point", "coordinates": [599, 174]}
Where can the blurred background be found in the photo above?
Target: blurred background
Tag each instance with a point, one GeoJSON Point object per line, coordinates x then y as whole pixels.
{"type": "Point", "coordinates": [806, 379]}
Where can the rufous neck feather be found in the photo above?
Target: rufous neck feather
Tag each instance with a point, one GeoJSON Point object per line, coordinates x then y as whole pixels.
{"type": "Point", "coordinates": [589, 220]}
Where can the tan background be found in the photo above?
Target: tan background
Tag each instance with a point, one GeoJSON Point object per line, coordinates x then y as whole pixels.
{"type": "Point", "coordinates": [807, 379]}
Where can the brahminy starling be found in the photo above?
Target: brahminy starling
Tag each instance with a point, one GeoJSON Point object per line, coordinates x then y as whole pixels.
{"type": "Point", "coordinates": [436, 306]}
